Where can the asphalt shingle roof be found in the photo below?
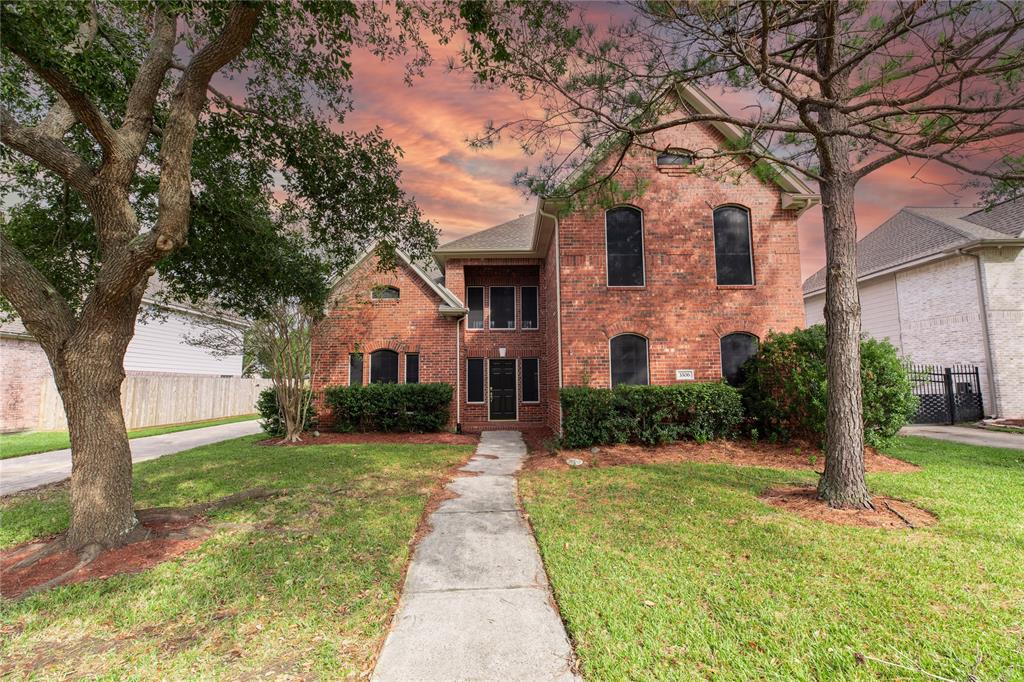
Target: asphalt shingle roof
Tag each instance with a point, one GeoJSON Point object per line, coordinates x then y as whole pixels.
{"type": "Point", "coordinates": [917, 232]}
{"type": "Point", "coordinates": [514, 235]}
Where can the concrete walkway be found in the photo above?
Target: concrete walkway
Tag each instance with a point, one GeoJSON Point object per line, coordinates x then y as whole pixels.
{"type": "Point", "coordinates": [966, 434]}
{"type": "Point", "coordinates": [21, 473]}
{"type": "Point", "coordinates": [476, 603]}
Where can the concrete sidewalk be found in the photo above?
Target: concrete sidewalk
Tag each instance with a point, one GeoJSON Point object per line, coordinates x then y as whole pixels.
{"type": "Point", "coordinates": [22, 473]}
{"type": "Point", "coordinates": [476, 603]}
{"type": "Point", "coordinates": [966, 434]}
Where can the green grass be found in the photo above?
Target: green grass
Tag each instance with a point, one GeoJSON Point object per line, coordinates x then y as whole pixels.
{"type": "Point", "coordinates": [309, 596]}
{"type": "Point", "coordinates": [18, 444]}
{"type": "Point", "coordinates": [680, 572]}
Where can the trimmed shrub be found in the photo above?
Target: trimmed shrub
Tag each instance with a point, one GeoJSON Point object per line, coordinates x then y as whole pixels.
{"type": "Point", "coordinates": [417, 408]}
{"type": "Point", "coordinates": [273, 422]}
{"type": "Point", "coordinates": [650, 415]}
{"type": "Point", "coordinates": [784, 388]}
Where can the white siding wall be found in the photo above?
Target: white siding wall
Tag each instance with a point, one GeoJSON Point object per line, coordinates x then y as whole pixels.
{"type": "Point", "coordinates": [159, 346]}
{"type": "Point", "coordinates": [880, 316]}
{"type": "Point", "coordinates": [1003, 277]}
{"type": "Point", "coordinates": [814, 309]}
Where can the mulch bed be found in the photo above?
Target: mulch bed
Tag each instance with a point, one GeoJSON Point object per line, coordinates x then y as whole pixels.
{"type": "Point", "coordinates": [132, 558]}
{"type": "Point", "coordinates": [888, 512]}
{"type": "Point", "coordinates": [332, 438]}
{"type": "Point", "coordinates": [735, 452]}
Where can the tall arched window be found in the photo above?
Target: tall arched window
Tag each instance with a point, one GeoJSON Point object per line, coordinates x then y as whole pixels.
{"type": "Point", "coordinates": [383, 367]}
{"type": "Point", "coordinates": [624, 240]}
{"type": "Point", "coordinates": [629, 360]}
{"type": "Point", "coordinates": [734, 260]}
{"type": "Point", "coordinates": [736, 349]}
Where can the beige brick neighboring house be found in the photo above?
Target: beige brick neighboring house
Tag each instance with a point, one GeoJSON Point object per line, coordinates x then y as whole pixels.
{"type": "Point", "coordinates": [946, 285]}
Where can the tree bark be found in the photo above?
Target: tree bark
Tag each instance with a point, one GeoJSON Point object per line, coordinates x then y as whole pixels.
{"type": "Point", "coordinates": [842, 484]}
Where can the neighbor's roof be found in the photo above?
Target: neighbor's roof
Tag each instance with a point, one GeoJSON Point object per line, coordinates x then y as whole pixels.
{"type": "Point", "coordinates": [916, 233]}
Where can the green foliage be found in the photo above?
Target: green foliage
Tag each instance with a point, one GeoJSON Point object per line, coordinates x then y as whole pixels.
{"type": "Point", "coordinates": [270, 410]}
{"type": "Point", "coordinates": [649, 414]}
{"type": "Point", "coordinates": [416, 408]}
{"type": "Point", "coordinates": [784, 389]}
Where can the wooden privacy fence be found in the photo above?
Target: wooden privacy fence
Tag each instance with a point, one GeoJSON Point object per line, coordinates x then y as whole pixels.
{"type": "Point", "coordinates": [155, 399]}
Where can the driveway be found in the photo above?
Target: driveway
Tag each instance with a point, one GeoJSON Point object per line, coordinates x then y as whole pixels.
{"type": "Point", "coordinates": [22, 473]}
{"type": "Point", "coordinates": [966, 434]}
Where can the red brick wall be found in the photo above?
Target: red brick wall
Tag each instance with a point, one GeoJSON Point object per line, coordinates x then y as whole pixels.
{"type": "Point", "coordinates": [681, 309]}
{"type": "Point", "coordinates": [23, 368]}
{"type": "Point", "coordinates": [355, 322]}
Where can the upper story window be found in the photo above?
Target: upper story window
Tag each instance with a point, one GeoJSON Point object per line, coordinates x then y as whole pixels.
{"type": "Point", "coordinates": [629, 360]}
{"type": "Point", "coordinates": [503, 307]}
{"type": "Point", "coordinates": [383, 367]}
{"type": "Point", "coordinates": [476, 307]}
{"type": "Point", "coordinates": [624, 240]}
{"type": "Point", "coordinates": [736, 349]}
{"type": "Point", "coordinates": [530, 313]}
{"type": "Point", "coordinates": [676, 158]}
{"type": "Point", "coordinates": [385, 293]}
{"type": "Point", "coordinates": [734, 262]}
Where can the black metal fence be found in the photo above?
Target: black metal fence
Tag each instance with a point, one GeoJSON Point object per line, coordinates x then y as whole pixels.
{"type": "Point", "coordinates": [948, 394]}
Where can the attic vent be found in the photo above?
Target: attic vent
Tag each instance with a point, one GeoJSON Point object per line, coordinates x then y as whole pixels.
{"type": "Point", "coordinates": [675, 157]}
{"type": "Point", "coordinates": [385, 293]}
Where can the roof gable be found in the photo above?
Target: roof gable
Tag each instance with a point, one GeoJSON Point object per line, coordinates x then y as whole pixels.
{"type": "Point", "coordinates": [450, 303]}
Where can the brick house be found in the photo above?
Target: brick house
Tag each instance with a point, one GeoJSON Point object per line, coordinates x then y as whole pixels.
{"type": "Point", "coordinates": [678, 285]}
{"type": "Point", "coordinates": [943, 284]}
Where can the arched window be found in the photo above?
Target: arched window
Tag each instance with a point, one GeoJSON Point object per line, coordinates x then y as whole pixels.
{"type": "Point", "coordinates": [736, 349]}
{"type": "Point", "coordinates": [734, 260]}
{"type": "Point", "coordinates": [629, 360]}
{"type": "Point", "coordinates": [675, 157]}
{"type": "Point", "coordinates": [383, 367]}
{"type": "Point", "coordinates": [385, 293]}
{"type": "Point", "coordinates": [624, 240]}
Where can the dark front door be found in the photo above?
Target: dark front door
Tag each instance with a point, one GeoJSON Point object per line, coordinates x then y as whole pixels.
{"type": "Point", "coordinates": [503, 389]}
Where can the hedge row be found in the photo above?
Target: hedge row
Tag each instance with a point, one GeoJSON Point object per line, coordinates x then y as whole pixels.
{"type": "Point", "coordinates": [417, 408]}
{"type": "Point", "coordinates": [649, 414]}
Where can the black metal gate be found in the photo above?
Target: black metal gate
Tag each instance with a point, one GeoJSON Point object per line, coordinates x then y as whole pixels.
{"type": "Point", "coordinates": [948, 394]}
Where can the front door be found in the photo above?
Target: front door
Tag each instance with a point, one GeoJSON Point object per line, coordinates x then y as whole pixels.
{"type": "Point", "coordinates": [503, 390]}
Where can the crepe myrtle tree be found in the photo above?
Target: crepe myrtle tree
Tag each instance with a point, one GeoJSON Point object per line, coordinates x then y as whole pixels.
{"type": "Point", "coordinates": [197, 139]}
{"type": "Point", "coordinates": [836, 91]}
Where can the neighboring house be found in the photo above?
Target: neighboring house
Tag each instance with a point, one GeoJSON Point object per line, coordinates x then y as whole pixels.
{"type": "Point", "coordinates": [676, 286]}
{"type": "Point", "coordinates": [946, 286]}
{"type": "Point", "coordinates": [158, 348]}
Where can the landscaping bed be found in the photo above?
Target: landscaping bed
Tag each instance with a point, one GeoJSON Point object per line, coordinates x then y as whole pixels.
{"type": "Point", "coordinates": [735, 452]}
{"type": "Point", "coordinates": [357, 438]}
{"type": "Point", "coordinates": [299, 585]}
{"type": "Point", "coordinates": [679, 571]}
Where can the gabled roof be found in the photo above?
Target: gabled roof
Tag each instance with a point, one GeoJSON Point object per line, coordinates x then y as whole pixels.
{"type": "Point", "coordinates": [450, 303]}
{"type": "Point", "coordinates": [513, 235]}
{"type": "Point", "coordinates": [917, 233]}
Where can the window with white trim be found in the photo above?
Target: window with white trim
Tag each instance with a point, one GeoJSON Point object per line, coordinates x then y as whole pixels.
{"type": "Point", "coordinates": [503, 307]}
{"type": "Point", "coordinates": [530, 308]}
{"type": "Point", "coordinates": [475, 296]}
{"type": "Point", "coordinates": [385, 293]}
{"type": "Point", "coordinates": [629, 360]}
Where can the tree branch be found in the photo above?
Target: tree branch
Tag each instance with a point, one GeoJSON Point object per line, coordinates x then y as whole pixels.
{"type": "Point", "coordinates": [50, 152]}
{"type": "Point", "coordinates": [43, 311]}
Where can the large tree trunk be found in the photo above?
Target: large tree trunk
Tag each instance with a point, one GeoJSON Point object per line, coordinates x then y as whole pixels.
{"type": "Point", "coordinates": [88, 373]}
{"type": "Point", "coordinates": [842, 484]}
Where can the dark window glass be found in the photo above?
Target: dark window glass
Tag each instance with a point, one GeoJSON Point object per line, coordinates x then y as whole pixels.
{"type": "Point", "coordinates": [503, 307]}
{"type": "Point", "coordinates": [732, 246]}
{"type": "Point", "coordinates": [476, 307]}
{"type": "Point", "coordinates": [629, 360]}
{"type": "Point", "coordinates": [384, 293]}
{"type": "Point", "coordinates": [531, 380]}
{"type": "Point", "coordinates": [625, 241]}
{"type": "Point", "coordinates": [355, 369]}
{"type": "Point", "coordinates": [530, 308]}
{"type": "Point", "coordinates": [736, 349]}
{"type": "Point", "coordinates": [383, 367]}
{"type": "Point", "coordinates": [475, 381]}
{"type": "Point", "coordinates": [675, 159]}
{"type": "Point", "coordinates": [412, 368]}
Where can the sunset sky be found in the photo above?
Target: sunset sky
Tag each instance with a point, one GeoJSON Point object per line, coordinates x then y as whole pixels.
{"type": "Point", "coordinates": [463, 190]}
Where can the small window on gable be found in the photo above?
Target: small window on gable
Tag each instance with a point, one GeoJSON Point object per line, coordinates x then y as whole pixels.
{"type": "Point", "coordinates": [675, 158]}
{"type": "Point", "coordinates": [734, 263]}
{"type": "Point", "coordinates": [624, 239]}
{"type": "Point", "coordinates": [736, 350]}
{"type": "Point", "coordinates": [385, 293]}
{"type": "Point", "coordinates": [629, 360]}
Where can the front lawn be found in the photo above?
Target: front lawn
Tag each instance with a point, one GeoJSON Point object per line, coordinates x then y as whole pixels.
{"type": "Point", "coordinates": [678, 571]}
{"type": "Point", "coordinates": [31, 442]}
{"type": "Point", "coordinates": [308, 595]}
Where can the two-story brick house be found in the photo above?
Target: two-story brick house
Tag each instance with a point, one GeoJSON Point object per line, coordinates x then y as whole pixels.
{"type": "Point", "coordinates": [678, 285]}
